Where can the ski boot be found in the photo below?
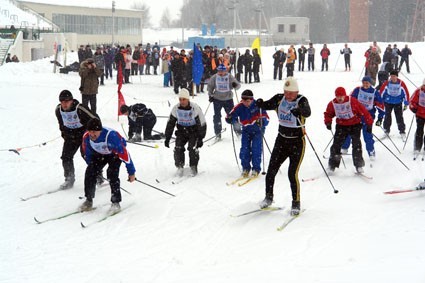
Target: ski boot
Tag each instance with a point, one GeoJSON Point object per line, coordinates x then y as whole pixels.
{"type": "Point", "coordinates": [115, 208]}
{"type": "Point", "coordinates": [193, 170]}
{"type": "Point", "coordinates": [86, 206]}
{"type": "Point", "coordinates": [266, 202]}
{"type": "Point", "coordinates": [69, 183]}
{"type": "Point", "coordinates": [295, 209]}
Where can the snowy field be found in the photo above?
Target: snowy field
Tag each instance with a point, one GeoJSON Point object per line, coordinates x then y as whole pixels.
{"type": "Point", "coordinates": [358, 235]}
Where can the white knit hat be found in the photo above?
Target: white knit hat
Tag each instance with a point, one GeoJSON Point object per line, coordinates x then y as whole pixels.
{"type": "Point", "coordinates": [184, 93]}
{"type": "Point", "coordinates": [291, 84]}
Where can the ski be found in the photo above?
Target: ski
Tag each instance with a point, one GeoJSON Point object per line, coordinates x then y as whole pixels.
{"type": "Point", "coordinates": [270, 208]}
{"type": "Point", "coordinates": [247, 180]}
{"type": "Point", "coordinates": [403, 191]}
{"type": "Point", "coordinates": [289, 220]}
{"type": "Point", "coordinates": [61, 216]}
{"type": "Point", "coordinates": [42, 194]}
{"type": "Point", "coordinates": [235, 180]}
{"type": "Point", "coordinates": [214, 142]}
{"type": "Point", "coordinates": [364, 176]}
{"type": "Point", "coordinates": [184, 178]}
{"type": "Point", "coordinates": [105, 217]}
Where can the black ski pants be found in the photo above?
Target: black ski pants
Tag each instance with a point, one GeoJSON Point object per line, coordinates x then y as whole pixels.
{"type": "Point", "coordinates": [183, 138]}
{"type": "Point", "coordinates": [283, 148]}
{"type": "Point", "coordinates": [94, 169]}
{"type": "Point", "coordinates": [341, 133]}
{"type": "Point", "coordinates": [419, 136]}
{"type": "Point", "coordinates": [70, 147]}
{"type": "Point", "coordinates": [398, 111]}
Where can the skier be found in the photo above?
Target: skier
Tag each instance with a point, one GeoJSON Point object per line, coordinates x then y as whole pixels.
{"type": "Point", "coordinates": [373, 64]}
{"type": "Point", "coordinates": [103, 146]}
{"type": "Point", "coordinates": [140, 118]}
{"type": "Point", "coordinates": [395, 92]}
{"type": "Point", "coordinates": [417, 106]}
{"type": "Point", "coordinates": [372, 100]}
{"type": "Point", "coordinates": [310, 56]}
{"type": "Point", "coordinates": [279, 58]}
{"type": "Point", "coordinates": [347, 54]}
{"type": "Point", "coordinates": [349, 113]}
{"type": "Point", "coordinates": [191, 129]}
{"type": "Point", "coordinates": [292, 109]}
{"type": "Point", "coordinates": [221, 95]}
{"type": "Point", "coordinates": [254, 122]}
{"type": "Point", "coordinates": [325, 53]}
{"type": "Point", "coordinates": [72, 118]}
{"type": "Point", "coordinates": [405, 53]}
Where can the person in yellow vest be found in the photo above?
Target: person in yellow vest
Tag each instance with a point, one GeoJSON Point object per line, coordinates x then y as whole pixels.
{"type": "Point", "coordinates": [290, 62]}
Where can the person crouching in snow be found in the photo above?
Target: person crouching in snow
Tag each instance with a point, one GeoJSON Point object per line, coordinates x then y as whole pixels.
{"type": "Point", "coordinates": [349, 113]}
{"type": "Point", "coordinates": [191, 129]}
{"type": "Point", "coordinates": [140, 118]}
{"type": "Point", "coordinates": [254, 122]}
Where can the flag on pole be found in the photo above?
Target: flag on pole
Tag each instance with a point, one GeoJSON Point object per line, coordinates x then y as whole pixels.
{"type": "Point", "coordinates": [121, 100]}
{"type": "Point", "coordinates": [256, 44]}
{"type": "Point", "coordinates": [197, 66]}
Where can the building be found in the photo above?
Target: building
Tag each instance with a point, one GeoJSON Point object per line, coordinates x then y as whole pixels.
{"type": "Point", "coordinates": [290, 30]}
{"type": "Point", "coordinates": [359, 30]}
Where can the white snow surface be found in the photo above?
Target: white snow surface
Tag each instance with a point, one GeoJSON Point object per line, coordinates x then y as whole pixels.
{"type": "Point", "coordinates": [358, 235]}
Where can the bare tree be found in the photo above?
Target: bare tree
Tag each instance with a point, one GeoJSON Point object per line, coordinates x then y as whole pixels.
{"type": "Point", "coordinates": [146, 18]}
{"type": "Point", "coordinates": [165, 21]}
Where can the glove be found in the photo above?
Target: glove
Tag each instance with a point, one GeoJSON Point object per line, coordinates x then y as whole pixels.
{"type": "Point", "coordinates": [296, 112]}
{"type": "Point", "coordinates": [200, 143]}
{"type": "Point", "coordinates": [404, 107]}
{"type": "Point", "coordinates": [167, 143]}
{"type": "Point", "coordinates": [211, 99]}
{"type": "Point", "coordinates": [369, 129]}
{"type": "Point", "coordinates": [229, 119]}
{"type": "Point", "coordinates": [378, 122]}
{"type": "Point", "coordinates": [234, 84]}
{"type": "Point", "coordinates": [260, 103]}
{"type": "Point", "coordinates": [414, 110]}
{"type": "Point", "coordinates": [329, 126]}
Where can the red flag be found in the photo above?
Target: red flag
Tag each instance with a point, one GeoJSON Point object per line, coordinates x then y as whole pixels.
{"type": "Point", "coordinates": [121, 100]}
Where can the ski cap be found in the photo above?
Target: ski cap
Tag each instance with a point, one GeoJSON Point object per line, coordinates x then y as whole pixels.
{"type": "Point", "coordinates": [94, 125]}
{"type": "Point", "coordinates": [65, 95]}
{"type": "Point", "coordinates": [367, 79]}
{"type": "Point", "coordinates": [291, 84]}
{"type": "Point", "coordinates": [184, 93]}
{"type": "Point", "coordinates": [247, 94]}
{"type": "Point", "coordinates": [394, 73]}
{"type": "Point", "coordinates": [221, 67]}
{"type": "Point", "coordinates": [340, 91]}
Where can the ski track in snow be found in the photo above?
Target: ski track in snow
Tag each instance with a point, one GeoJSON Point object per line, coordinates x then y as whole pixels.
{"type": "Point", "coordinates": [358, 235]}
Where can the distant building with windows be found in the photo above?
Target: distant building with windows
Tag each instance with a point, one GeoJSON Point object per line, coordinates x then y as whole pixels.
{"type": "Point", "coordinates": [93, 25]}
{"type": "Point", "coordinates": [290, 30]}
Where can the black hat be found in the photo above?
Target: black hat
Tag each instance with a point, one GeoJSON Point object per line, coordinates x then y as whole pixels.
{"type": "Point", "coordinates": [65, 95]}
{"type": "Point", "coordinates": [394, 73]}
{"type": "Point", "coordinates": [124, 109]}
{"type": "Point", "coordinates": [94, 125]}
{"type": "Point", "coordinates": [247, 94]}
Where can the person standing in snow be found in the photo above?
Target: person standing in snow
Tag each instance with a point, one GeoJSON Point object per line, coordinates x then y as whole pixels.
{"type": "Point", "coordinates": [256, 62]}
{"type": "Point", "coordinates": [140, 118]}
{"type": "Point", "coordinates": [372, 100]}
{"type": "Point", "coordinates": [89, 74]}
{"type": "Point", "coordinates": [405, 53]}
{"type": "Point", "coordinates": [417, 106]}
{"type": "Point", "coordinates": [221, 95]}
{"type": "Point", "coordinates": [349, 113]}
{"type": "Point", "coordinates": [373, 64]}
{"type": "Point", "coordinates": [292, 109]}
{"type": "Point", "coordinates": [103, 146]}
{"type": "Point", "coordinates": [310, 56]}
{"type": "Point", "coordinates": [254, 122]}
{"type": "Point", "coordinates": [395, 93]}
{"type": "Point", "coordinates": [72, 118]}
{"type": "Point", "coordinates": [279, 58]}
{"type": "Point", "coordinates": [347, 56]}
{"type": "Point", "coordinates": [191, 130]}
{"type": "Point", "coordinates": [301, 57]}
{"type": "Point", "coordinates": [325, 53]}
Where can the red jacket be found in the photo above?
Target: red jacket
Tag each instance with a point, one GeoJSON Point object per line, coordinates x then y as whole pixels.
{"type": "Point", "coordinates": [358, 109]}
{"type": "Point", "coordinates": [414, 103]}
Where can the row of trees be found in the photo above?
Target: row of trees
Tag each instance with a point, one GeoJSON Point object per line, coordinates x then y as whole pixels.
{"type": "Point", "coordinates": [389, 20]}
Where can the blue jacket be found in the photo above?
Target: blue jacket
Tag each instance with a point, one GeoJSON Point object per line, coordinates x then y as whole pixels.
{"type": "Point", "coordinates": [116, 145]}
{"type": "Point", "coordinates": [249, 117]}
{"type": "Point", "coordinates": [377, 103]}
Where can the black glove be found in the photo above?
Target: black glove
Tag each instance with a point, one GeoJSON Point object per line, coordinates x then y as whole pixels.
{"type": "Point", "coordinates": [211, 99]}
{"type": "Point", "coordinates": [404, 107]}
{"type": "Point", "coordinates": [329, 126]}
{"type": "Point", "coordinates": [200, 143]}
{"type": "Point", "coordinates": [229, 119]}
{"type": "Point", "coordinates": [296, 112]}
{"type": "Point", "coordinates": [414, 110]}
{"type": "Point", "coordinates": [260, 103]}
{"type": "Point", "coordinates": [167, 143]}
{"type": "Point", "coordinates": [234, 84]}
{"type": "Point", "coordinates": [369, 129]}
{"type": "Point", "coordinates": [378, 122]}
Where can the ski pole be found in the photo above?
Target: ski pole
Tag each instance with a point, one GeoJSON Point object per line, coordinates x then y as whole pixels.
{"type": "Point", "coordinates": [120, 186]}
{"type": "Point", "coordinates": [361, 74]}
{"type": "Point", "coordinates": [329, 143]}
{"type": "Point", "coordinates": [337, 61]}
{"type": "Point", "coordinates": [207, 108]}
{"type": "Point", "coordinates": [156, 188]}
{"type": "Point", "coordinates": [210, 138]}
{"type": "Point", "coordinates": [388, 136]}
{"type": "Point", "coordinates": [234, 147]}
{"type": "Point", "coordinates": [418, 65]}
{"type": "Point", "coordinates": [262, 140]}
{"type": "Point", "coordinates": [236, 94]}
{"type": "Point", "coordinates": [141, 144]}
{"type": "Point", "coordinates": [122, 127]}
{"type": "Point", "coordinates": [409, 79]}
{"type": "Point", "coordinates": [390, 151]}
{"type": "Point", "coordinates": [408, 132]}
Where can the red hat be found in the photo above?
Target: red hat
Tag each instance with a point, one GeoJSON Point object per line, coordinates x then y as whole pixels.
{"type": "Point", "coordinates": [340, 91]}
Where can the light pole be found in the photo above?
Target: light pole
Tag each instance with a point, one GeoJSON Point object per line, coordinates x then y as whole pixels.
{"type": "Point", "coordinates": [181, 19]}
{"type": "Point", "coordinates": [113, 22]}
{"type": "Point", "coordinates": [142, 23]}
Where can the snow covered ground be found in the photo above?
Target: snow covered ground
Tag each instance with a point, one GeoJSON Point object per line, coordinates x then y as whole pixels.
{"type": "Point", "coordinates": [358, 235]}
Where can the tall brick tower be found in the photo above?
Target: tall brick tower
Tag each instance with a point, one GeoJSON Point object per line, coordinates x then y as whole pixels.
{"type": "Point", "coordinates": [359, 21]}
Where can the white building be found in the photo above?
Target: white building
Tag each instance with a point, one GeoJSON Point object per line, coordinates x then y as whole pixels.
{"type": "Point", "coordinates": [290, 30]}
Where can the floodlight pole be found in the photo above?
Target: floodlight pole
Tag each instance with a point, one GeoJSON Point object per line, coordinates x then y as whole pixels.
{"type": "Point", "coordinates": [113, 22]}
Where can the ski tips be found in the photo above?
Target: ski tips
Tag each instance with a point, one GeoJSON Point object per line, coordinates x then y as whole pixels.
{"type": "Point", "coordinates": [82, 225]}
{"type": "Point", "coordinates": [37, 221]}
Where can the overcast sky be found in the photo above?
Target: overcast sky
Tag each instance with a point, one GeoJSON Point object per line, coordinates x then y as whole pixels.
{"type": "Point", "coordinates": [156, 7]}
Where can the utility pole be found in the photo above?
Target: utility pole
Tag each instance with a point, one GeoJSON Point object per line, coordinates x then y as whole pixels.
{"type": "Point", "coordinates": [113, 22]}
